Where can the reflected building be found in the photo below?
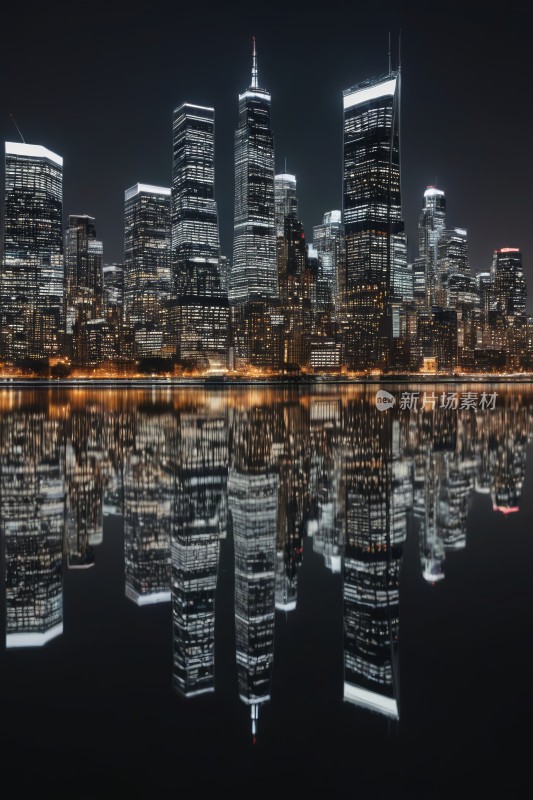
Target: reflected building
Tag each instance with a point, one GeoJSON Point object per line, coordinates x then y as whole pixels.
{"type": "Point", "coordinates": [148, 492]}
{"type": "Point", "coordinates": [199, 522]}
{"type": "Point", "coordinates": [293, 502]}
{"type": "Point", "coordinates": [326, 521]}
{"type": "Point", "coordinates": [253, 486]}
{"type": "Point", "coordinates": [85, 474]}
{"type": "Point", "coordinates": [377, 489]}
{"type": "Point", "coordinates": [32, 521]}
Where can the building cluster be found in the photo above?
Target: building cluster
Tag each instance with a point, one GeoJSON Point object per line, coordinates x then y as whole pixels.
{"type": "Point", "coordinates": [282, 474]}
{"type": "Point", "coordinates": [351, 301]}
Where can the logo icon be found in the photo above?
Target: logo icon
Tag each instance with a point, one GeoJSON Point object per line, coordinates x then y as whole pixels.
{"type": "Point", "coordinates": [384, 400]}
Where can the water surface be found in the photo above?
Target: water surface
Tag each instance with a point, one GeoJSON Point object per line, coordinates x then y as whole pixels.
{"type": "Point", "coordinates": [267, 589]}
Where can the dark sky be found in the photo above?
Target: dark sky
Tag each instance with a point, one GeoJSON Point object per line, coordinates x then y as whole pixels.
{"type": "Point", "coordinates": [98, 85]}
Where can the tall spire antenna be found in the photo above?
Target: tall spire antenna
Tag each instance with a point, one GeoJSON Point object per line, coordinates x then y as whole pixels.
{"type": "Point", "coordinates": [18, 129]}
{"type": "Point", "coordinates": [390, 63]}
{"type": "Point", "coordinates": [400, 51]}
{"type": "Point", "coordinates": [254, 68]}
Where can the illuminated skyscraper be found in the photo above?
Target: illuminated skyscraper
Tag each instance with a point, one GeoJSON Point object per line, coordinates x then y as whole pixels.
{"type": "Point", "coordinates": [147, 266]}
{"type": "Point", "coordinates": [430, 227]}
{"type": "Point", "coordinates": [285, 200]}
{"type": "Point", "coordinates": [508, 314]}
{"type": "Point", "coordinates": [329, 240]}
{"type": "Point", "coordinates": [452, 254]}
{"type": "Point", "coordinates": [31, 286]}
{"type": "Point", "coordinates": [83, 282]}
{"type": "Point", "coordinates": [509, 291]}
{"type": "Point", "coordinates": [372, 215]}
{"type": "Point", "coordinates": [254, 271]}
{"type": "Point", "coordinates": [201, 319]}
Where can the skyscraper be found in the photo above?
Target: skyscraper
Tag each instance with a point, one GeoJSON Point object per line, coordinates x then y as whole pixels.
{"type": "Point", "coordinates": [83, 282]}
{"type": "Point", "coordinates": [372, 215]}
{"type": "Point", "coordinates": [201, 321]}
{"type": "Point", "coordinates": [254, 272]}
{"type": "Point", "coordinates": [329, 240]}
{"type": "Point", "coordinates": [431, 224]}
{"type": "Point", "coordinates": [509, 284]}
{"type": "Point", "coordinates": [285, 200]}
{"type": "Point", "coordinates": [147, 266]}
{"type": "Point", "coordinates": [31, 286]}
{"type": "Point", "coordinates": [508, 307]}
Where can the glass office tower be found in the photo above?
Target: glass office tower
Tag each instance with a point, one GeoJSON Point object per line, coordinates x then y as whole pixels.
{"type": "Point", "coordinates": [31, 287]}
{"type": "Point", "coordinates": [254, 268]}
{"type": "Point", "coordinates": [329, 240]}
{"type": "Point", "coordinates": [201, 318]}
{"type": "Point", "coordinates": [147, 266]}
{"type": "Point", "coordinates": [372, 215]}
{"type": "Point", "coordinates": [431, 225]}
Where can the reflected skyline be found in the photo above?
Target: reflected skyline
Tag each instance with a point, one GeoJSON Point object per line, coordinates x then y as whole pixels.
{"type": "Point", "coordinates": [271, 474]}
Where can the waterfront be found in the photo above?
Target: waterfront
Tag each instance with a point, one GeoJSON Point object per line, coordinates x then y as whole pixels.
{"type": "Point", "coordinates": [259, 587]}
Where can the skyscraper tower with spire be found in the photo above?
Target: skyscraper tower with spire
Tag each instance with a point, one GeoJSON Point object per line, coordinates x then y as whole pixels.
{"type": "Point", "coordinates": [254, 270]}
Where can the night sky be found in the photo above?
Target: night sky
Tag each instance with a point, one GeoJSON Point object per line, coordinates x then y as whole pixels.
{"type": "Point", "coordinates": [98, 85]}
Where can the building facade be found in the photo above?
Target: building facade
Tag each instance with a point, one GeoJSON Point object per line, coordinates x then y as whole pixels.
{"type": "Point", "coordinates": [372, 216]}
{"type": "Point", "coordinates": [431, 224]}
{"type": "Point", "coordinates": [31, 285]}
{"type": "Point", "coordinates": [147, 284]}
{"type": "Point", "coordinates": [254, 271]}
{"type": "Point", "coordinates": [83, 284]}
{"type": "Point", "coordinates": [200, 320]}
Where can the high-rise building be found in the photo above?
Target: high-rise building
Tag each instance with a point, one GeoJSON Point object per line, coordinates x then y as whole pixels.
{"type": "Point", "coordinates": [113, 285]}
{"type": "Point", "coordinates": [452, 254]}
{"type": "Point", "coordinates": [147, 283]}
{"type": "Point", "coordinates": [431, 224]}
{"type": "Point", "coordinates": [372, 215]}
{"type": "Point", "coordinates": [83, 283]}
{"type": "Point", "coordinates": [328, 238]}
{"type": "Point", "coordinates": [508, 306]}
{"type": "Point", "coordinates": [509, 291]}
{"type": "Point", "coordinates": [31, 286]}
{"type": "Point", "coordinates": [285, 200]}
{"type": "Point", "coordinates": [296, 288]}
{"type": "Point", "coordinates": [254, 268]}
{"type": "Point", "coordinates": [201, 319]}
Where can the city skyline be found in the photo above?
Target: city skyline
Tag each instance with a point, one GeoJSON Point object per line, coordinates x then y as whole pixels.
{"type": "Point", "coordinates": [482, 200]}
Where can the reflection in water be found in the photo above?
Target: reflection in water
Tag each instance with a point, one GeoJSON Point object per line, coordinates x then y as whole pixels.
{"type": "Point", "coordinates": [253, 504]}
{"type": "Point", "coordinates": [264, 469]}
{"type": "Point", "coordinates": [198, 525]}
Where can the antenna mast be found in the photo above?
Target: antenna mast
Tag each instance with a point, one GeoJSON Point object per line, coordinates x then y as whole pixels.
{"type": "Point", "coordinates": [18, 129]}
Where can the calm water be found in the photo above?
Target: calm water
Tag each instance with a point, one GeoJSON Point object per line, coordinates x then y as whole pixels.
{"type": "Point", "coordinates": [268, 590]}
